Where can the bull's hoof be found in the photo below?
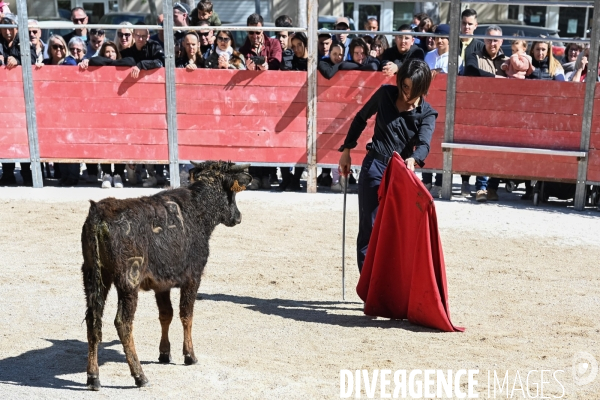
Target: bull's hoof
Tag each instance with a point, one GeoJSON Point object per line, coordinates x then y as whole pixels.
{"type": "Point", "coordinates": [164, 358]}
{"type": "Point", "coordinates": [141, 381]}
{"type": "Point", "coordinates": [93, 382]}
{"type": "Point", "coordinates": [190, 360]}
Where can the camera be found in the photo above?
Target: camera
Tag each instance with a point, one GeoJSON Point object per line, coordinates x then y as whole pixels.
{"type": "Point", "coordinates": [258, 60]}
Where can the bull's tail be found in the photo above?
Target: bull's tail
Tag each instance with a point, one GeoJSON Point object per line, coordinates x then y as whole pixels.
{"type": "Point", "coordinates": [94, 232]}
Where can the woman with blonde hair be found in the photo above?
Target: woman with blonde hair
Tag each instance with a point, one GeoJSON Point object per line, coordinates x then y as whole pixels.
{"type": "Point", "coordinates": [58, 51]}
{"type": "Point", "coordinates": [546, 66]}
{"type": "Point", "coordinates": [124, 37]}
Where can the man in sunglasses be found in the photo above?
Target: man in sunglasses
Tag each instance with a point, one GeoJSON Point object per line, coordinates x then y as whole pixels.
{"type": "Point", "coordinates": [258, 44]}
{"type": "Point", "coordinates": [147, 53]}
{"type": "Point", "coordinates": [78, 17]}
{"type": "Point", "coordinates": [207, 39]}
{"type": "Point", "coordinates": [38, 48]}
{"type": "Point", "coordinates": [97, 37]}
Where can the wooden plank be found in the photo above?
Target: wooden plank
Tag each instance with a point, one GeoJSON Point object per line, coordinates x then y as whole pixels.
{"type": "Point", "coordinates": [103, 151]}
{"type": "Point", "coordinates": [14, 105]}
{"type": "Point", "coordinates": [251, 154]}
{"type": "Point", "coordinates": [513, 164]}
{"type": "Point", "coordinates": [244, 123]}
{"type": "Point", "coordinates": [13, 136]}
{"type": "Point", "coordinates": [229, 79]}
{"type": "Point", "coordinates": [104, 136]}
{"type": "Point", "coordinates": [15, 150]}
{"type": "Point", "coordinates": [99, 90]}
{"type": "Point", "coordinates": [118, 105]}
{"type": "Point", "coordinates": [67, 73]}
{"type": "Point", "coordinates": [13, 121]}
{"type": "Point", "coordinates": [517, 102]}
{"type": "Point", "coordinates": [554, 122]}
{"type": "Point", "coordinates": [11, 75]}
{"type": "Point", "coordinates": [518, 137]}
{"type": "Point", "coordinates": [534, 89]}
{"type": "Point", "coordinates": [243, 138]}
{"type": "Point", "coordinates": [12, 89]}
{"type": "Point", "coordinates": [595, 141]}
{"type": "Point", "coordinates": [97, 121]}
{"type": "Point", "coordinates": [356, 79]}
{"type": "Point", "coordinates": [359, 95]}
{"type": "Point", "coordinates": [255, 95]}
{"type": "Point", "coordinates": [242, 107]}
{"type": "Point", "coordinates": [594, 158]}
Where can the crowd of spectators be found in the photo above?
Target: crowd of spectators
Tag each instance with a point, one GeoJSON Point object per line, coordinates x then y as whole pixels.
{"type": "Point", "coordinates": [284, 50]}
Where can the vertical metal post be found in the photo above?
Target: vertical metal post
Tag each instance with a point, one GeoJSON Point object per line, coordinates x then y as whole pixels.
{"type": "Point", "coordinates": [311, 115]}
{"type": "Point", "coordinates": [32, 133]}
{"type": "Point", "coordinates": [170, 93]}
{"type": "Point", "coordinates": [451, 95]}
{"type": "Point", "coordinates": [588, 108]}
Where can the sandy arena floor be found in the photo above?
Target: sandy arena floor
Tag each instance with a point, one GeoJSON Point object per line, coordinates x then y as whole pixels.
{"type": "Point", "coordinates": [270, 322]}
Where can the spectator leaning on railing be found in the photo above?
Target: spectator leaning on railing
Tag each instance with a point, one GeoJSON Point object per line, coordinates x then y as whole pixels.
{"type": "Point", "coordinates": [57, 51]}
{"type": "Point", "coordinates": [328, 66]}
{"type": "Point", "coordinates": [260, 47]}
{"type": "Point", "coordinates": [96, 39]}
{"type": "Point", "coordinates": [191, 57]}
{"type": "Point", "coordinates": [287, 54]}
{"type": "Point", "coordinates": [223, 55]}
{"type": "Point", "coordinates": [360, 58]}
{"type": "Point", "coordinates": [546, 67]}
{"type": "Point", "coordinates": [147, 53]}
{"type": "Point", "coordinates": [325, 42]}
{"type": "Point", "coordinates": [124, 36]}
{"type": "Point", "coordinates": [9, 42]}
{"type": "Point", "coordinates": [38, 47]}
{"type": "Point", "coordinates": [405, 49]}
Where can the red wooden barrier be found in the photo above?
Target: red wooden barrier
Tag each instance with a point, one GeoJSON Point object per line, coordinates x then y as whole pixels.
{"type": "Point", "coordinates": [340, 98]}
{"type": "Point", "coordinates": [242, 115]}
{"type": "Point", "coordinates": [593, 173]}
{"type": "Point", "coordinates": [14, 143]}
{"type": "Point", "coordinates": [101, 113]}
{"type": "Point", "coordinates": [517, 113]}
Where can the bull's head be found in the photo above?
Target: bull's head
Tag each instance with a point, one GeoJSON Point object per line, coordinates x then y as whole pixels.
{"type": "Point", "coordinates": [229, 179]}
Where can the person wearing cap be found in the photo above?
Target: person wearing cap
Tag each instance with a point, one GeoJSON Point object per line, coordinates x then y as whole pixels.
{"type": "Point", "coordinates": [78, 17]}
{"type": "Point", "coordinates": [284, 37]}
{"type": "Point", "coordinates": [404, 50]}
{"type": "Point", "coordinates": [343, 24]}
{"type": "Point", "coordinates": [181, 12]}
{"type": "Point", "coordinates": [325, 41]}
{"type": "Point", "coordinates": [147, 53]}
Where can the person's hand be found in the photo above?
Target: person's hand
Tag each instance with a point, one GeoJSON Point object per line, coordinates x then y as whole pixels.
{"type": "Point", "coordinates": [223, 63]}
{"type": "Point", "coordinates": [410, 164]}
{"type": "Point", "coordinates": [11, 62]}
{"type": "Point", "coordinates": [373, 53]}
{"type": "Point", "coordinates": [39, 65]}
{"type": "Point", "coordinates": [135, 72]}
{"type": "Point", "coordinates": [84, 64]}
{"type": "Point", "coordinates": [435, 72]}
{"type": "Point", "coordinates": [584, 62]}
{"type": "Point", "coordinates": [191, 67]}
{"type": "Point", "coordinates": [390, 69]}
{"type": "Point", "coordinates": [263, 67]}
{"type": "Point", "coordinates": [250, 65]}
{"type": "Point", "coordinates": [345, 163]}
{"type": "Point", "coordinates": [504, 67]}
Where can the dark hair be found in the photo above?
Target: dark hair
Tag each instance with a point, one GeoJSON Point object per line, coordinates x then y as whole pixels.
{"type": "Point", "coordinates": [230, 35]}
{"type": "Point", "coordinates": [338, 45]}
{"type": "Point", "coordinates": [284, 19]}
{"type": "Point", "coordinates": [301, 36]}
{"type": "Point", "coordinates": [421, 16]}
{"type": "Point", "coordinates": [77, 9]}
{"type": "Point", "coordinates": [255, 19]}
{"type": "Point", "coordinates": [468, 12]}
{"type": "Point", "coordinates": [404, 27]}
{"type": "Point", "coordinates": [383, 40]}
{"type": "Point", "coordinates": [205, 6]}
{"type": "Point", "coordinates": [422, 25]}
{"type": "Point", "coordinates": [284, 24]}
{"type": "Point", "coordinates": [419, 73]}
{"type": "Point", "coordinates": [236, 57]}
{"type": "Point", "coordinates": [109, 43]}
{"type": "Point", "coordinates": [358, 42]}
{"type": "Point", "coordinates": [368, 40]}
{"type": "Point", "coordinates": [580, 46]}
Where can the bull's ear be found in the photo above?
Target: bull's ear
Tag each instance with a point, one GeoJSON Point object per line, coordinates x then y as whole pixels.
{"type": "Point", "coordinates": [239, 181]}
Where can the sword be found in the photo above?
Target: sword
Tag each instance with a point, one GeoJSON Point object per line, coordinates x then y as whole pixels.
{"type": "Point", "coordinates": [345, 187]}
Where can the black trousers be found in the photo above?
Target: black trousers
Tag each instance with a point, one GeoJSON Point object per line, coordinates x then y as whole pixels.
{"type": "Point", "coordinates": [368, 203]}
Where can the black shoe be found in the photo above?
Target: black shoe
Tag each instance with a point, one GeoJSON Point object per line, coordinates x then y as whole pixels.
{"type": "Point", "coordinates": [283, 185]}
{"type": "Point", "coordinates": [351, 180]}
{"type": "Point", "coordinates": [8, 180]}
{"type": "Point", "coordinates": [69, 182]}
{"type": "Point", "coordinates": [293, 187]}
{"type": "Point", "coordinates": [326, 180]}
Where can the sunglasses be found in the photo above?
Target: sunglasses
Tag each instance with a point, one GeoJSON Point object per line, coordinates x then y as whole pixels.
{"type": "Point", "coordinates": [98, 32]}
{"type": "Point", "coordinates": [58, 47]}
{"type": "Point", "coordinates": [75, 50]}
{"type": "Point", "coordinates": [254, 33]}
{"type": "Point", "coordinates": [78, 20]}
{"type": "Point", "coordinates": [33, 32]}
{"type": "Point", "coordinates": [120, 34]}
{"type": "Point", "coordinates": [205, 34]}
{"type": "Point", "coordinates": [223, 39]}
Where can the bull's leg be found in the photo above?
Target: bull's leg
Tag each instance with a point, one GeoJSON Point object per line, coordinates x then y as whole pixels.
{"type": "Point", "coordinates": [124, 324]}
{"type": "Point", "coordinates": [93, 319]}
{"type": "Point", "coordinates": [165, 315]}
{"type": "Point", "coordinates": [186, 313]}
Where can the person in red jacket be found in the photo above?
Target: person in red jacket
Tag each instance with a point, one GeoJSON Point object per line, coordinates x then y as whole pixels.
{"type": "Point", "coordinates": [258, 44]}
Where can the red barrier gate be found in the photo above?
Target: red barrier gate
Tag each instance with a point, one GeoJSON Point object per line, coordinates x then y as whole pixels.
{"type": "Point", "coordinates": [250, 116]}
{"type": "Point", "coordinates": [101, 114]}
{"type": "Point", "coordinates": [14, 142]}
{"type": "Point", "coordinates": [340, 98]}
{"type": "Point", "coordinates": [517, 113]}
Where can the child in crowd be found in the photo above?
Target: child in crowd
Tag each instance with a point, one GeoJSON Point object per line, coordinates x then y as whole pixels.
{"type": "Point", "coordinates": [518, 66]}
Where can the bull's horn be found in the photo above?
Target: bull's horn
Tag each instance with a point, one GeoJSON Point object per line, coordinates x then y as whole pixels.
{"type": "Point", "coordinates": [196, 163]}
{"type": "Point", "coordinates": [239, 167]}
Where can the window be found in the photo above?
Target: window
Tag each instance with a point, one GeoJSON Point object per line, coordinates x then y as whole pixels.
{"type": "Point", "coordinates": [403, 13]}
{"type": "Point", "coordinates": [349, 10]}
{"type": "Point", "coordinates": [535, 16]}
{"type": "Point", "coordinates": [513, 12]}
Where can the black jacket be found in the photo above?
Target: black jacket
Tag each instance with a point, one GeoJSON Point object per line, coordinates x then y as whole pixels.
{"type": "Point", "coordinates": [369, 64]}
{"type": "Point", "coordinates": [14, 51]}
{"type": "Point", "coordinates": [394, 130]}
{"type": "Point", "coordinates": [71, 35]}
{"type": "Point", "coordinates": [473, 47]}
{"type": "Point", "coordinates": [100, 61]}
{"type": "Point", "coordinates": [151, 56]}
{"type": "Point", "coordinates": [328, 68]}
{"type": "Point", "coordinates": [392, 54]}
{"type": "Point", "coordinates": [286, 59]}
{"type": "Point", "coordinates": [182, 62]}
